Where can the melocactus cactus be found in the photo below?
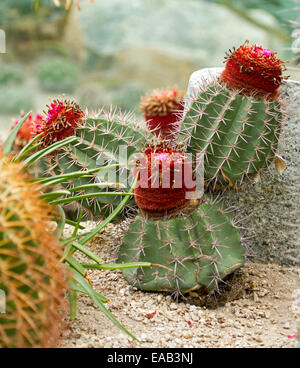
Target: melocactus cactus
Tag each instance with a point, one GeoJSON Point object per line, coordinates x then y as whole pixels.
{"type": "Point", "coordinates": [28, 130]}
{"type": "Point", "coordinates": [165, 181]}
{"type": "Point", "coordinates": [61, 121]}
{"type": "Point", "coordinates": [31, 274]}
{"type": "Point", "coordinates": [163, 110]}
{"type": "Point", "coordinates": [235, 119]}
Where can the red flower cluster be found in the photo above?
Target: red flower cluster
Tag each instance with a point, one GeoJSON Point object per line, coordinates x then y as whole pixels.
{"type": "Point", "coordinates": [165, 177]}
{"type": "Point", "coordinates": [62, 119]}
{"type": "Point", "coordinates": [253, 69]}
{"type": "Point", "coordinates": [28, 130]}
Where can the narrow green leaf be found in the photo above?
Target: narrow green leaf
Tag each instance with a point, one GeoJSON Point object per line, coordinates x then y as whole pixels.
{"type": "Point", "coordinates": [116, 266]}
{"type": "Point", "coordinates": [78, 226]}
{"type": "Point", "coordinates": [72, 296]}
{"type": "Point", "coordinates": [90, 291]}
{"type": "Point", "coordinates": [90, 235]}
{"type": "Point", "coordinates": [46, 151]}
{"type": "Point", "coordinates": [95, 185]}
{"type": "Point", "coordinates": [62, 222]}
{"type": "Point", "coordinates": [75, 264]}
{"type": "Point", "coordinates": [77, 174]}
{"type": "Point", "coordinates": [76, 287]}
{"type": "Point", "coordinates": [53, 195]}
{"type": "Point", "coordinates": [74, 224]}
{"type": "Point", "coordinates": [27, 149]}
{"type": "Point", "coordinates": [87, 252]}
{"type": "Point", "coordinates": [9, 141]}
{"type": "Point", "coordinates": [88, 195]}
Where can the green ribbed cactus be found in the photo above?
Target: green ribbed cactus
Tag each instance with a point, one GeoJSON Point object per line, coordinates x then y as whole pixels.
{"type": "Point", "coordinates": [237, 134]}
{"type": "Point", "coordinates": [32, 278]}
{"type": "Point", "coordinates": [235, 119]}
{"type": "Point", "coordinates": [99, 142]}
{"type": "Point", "coordinates": [188, 253]}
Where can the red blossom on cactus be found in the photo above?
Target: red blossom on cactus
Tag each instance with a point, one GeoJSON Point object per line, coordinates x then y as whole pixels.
{"type": "Point", "coordinates": [165, 178]}
{"type": "Point", "coordinates": [253, 69]}
{"type": "Point", "coordinates": [162, 111]}
{"type": "Point", "coordinates": [28, 130]}
{"type": "Point", "coordinates": [61, 121]}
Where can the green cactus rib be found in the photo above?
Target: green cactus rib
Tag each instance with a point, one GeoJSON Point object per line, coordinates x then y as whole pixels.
{"type": "Point", "coordinates": [237, 134]}
{"type": "Point", "coordinates": [187, 253]}
{"type": "Point", "coordinates": [100, 139]}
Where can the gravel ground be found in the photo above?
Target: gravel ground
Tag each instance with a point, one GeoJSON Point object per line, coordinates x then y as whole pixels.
{"type": "Point", "coordinates": [257, 308]}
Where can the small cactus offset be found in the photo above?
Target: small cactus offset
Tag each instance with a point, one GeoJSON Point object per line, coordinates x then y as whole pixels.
{"type": "Point", "coordinates": [31, 274]}
{"type": "Point", "coordinates": [100, 139]}
{"type": "Point", "coordinates": [163, 110]}
{"type": "Point", "coordinates": [187, 253]}
{"type": "Point", "coordinates": [235, 120]}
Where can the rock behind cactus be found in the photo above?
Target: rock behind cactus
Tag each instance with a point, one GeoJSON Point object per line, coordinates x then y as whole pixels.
{"type": "Point", "coordinates": [31, 274]}
{"type": "Point", "coordinates": [187, 253]}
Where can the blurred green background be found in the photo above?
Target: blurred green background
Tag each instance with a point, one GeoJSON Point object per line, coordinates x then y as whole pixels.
{"type": "Point", "coordinates": [113, 51]}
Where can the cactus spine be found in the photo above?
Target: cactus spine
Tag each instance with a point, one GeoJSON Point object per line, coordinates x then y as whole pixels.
{"type": "Point", "coordinates": [193, 252]}
{"type": "Point", "coordinates": [31, 274]}
{"type": "Point", "coordinates": [235, 121]}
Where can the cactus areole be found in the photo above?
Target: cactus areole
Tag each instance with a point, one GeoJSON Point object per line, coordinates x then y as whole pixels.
{"type": "Point", "coordinates": [253, 69]}
{"type": "Point", "coordinates": [165, 181]}
{"type": "Point", "coordinates": [61, 121]}
{"type": "Point", "coordinates": [163, 110]}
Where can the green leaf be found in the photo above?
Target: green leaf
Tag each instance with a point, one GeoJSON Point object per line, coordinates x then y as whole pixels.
{"type": "Point", "coordinates": [72, 296]}
{"type": "Point", "coordinates": [74, 224]}
{"type": "Point", "coordinates": [83, 249]}
{"type": "Point", "coordinates": [78, 226]}
{"type": "Point", "coordinates": [90, 235]}
{"type": "Point", "coordinates": [52, 195]}
{"type": "Point", "coordinates": [90, 291]}
{"type": "Point", "coordinates": [9, 141]}
{"type": "Point", "coordinates": [46, 151]}
{"type": "Point", "coordinates": [61, 223]}
{"type": "Point", "coordinates": [75, 264]}
{"type": "Point", "coordinates": [88, 195]}
{"type": "Point", "coordinates": [77, 174]}
{"type": "Point", "coordinates": [76, 287]}
{"type": "Point", "coordinates": [28, 148]}
{"type": "Point", "coordinates": [117, 266]}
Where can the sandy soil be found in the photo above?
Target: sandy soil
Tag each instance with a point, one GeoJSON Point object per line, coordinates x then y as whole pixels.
{"type": "Point", "coordinates": [258, 307]}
